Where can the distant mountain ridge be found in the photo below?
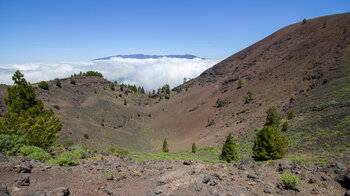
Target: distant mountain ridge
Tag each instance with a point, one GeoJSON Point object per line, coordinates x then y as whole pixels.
{"type": "Point", "coordinates": [145, 56]}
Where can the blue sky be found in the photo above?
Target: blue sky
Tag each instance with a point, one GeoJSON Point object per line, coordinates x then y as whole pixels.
{"type": "Point", "coordinates": [81, 30]}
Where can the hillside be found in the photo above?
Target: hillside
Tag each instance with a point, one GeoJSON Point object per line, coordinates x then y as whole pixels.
{"type": "Point", "coordinates": [286, 69]}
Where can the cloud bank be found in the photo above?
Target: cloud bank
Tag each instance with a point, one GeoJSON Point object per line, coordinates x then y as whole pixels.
{"type": "Point", "coordinates": [149, 73]}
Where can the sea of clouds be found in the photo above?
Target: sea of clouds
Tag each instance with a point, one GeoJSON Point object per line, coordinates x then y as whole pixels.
{"type": "Point", "coordinates": [149, 73]}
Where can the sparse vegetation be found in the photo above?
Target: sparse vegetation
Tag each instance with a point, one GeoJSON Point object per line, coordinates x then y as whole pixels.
{"type": "Point", "coordinates": [325, 81]}
{"type": "Point", "coordinates": [165, 146]}
{"type": "Point", "coordinates": [194, 148]}
{"type": "Point", "coordinates": [10, 144]}
{"type": "Point", "coordinates": [304, 21]}
{"type": "Point", "coordinates": [346, 28]}
{"type": "Point", "coordinates": [34, 152]}
{"type": "Point", "coordinates": [112, 86]}
{"type": "Point", "coordinates": [57, 107]}
{"type": "Point", "coordinates": [72, 81]}
{"type": "Point", "coordinates": [125, 103]}
{"type": "Point", "coordinates": [285, 126]}
{"type": "Point", "coordinates": [269, 144]}
{"type": "Point", "coordinates": [249, 96]}
{"type": "Point", "coordinates": [65, 159]}
{"type": "Point", "coordinates": [43, 85]}
{"type": "Point", "coordinates": [291, 115]}
{"type": "Point", "coordinates": [229, 151]}
{"type": "Point", "coordinates": [240, 83]}
{"type": "Point", "coordinates": [290, 181]}
{"type": "Point", "coordinates": [324, 25]}
{"type": "Point", "coordinates": [89, 73]}
{"type": "Point", "coordinates": [58, 83]}
{"type": "Point", "coordinates": [109, 175]}
{"type": "Point", "coordinates": [86, 136]}
{"type": "Point", "coordinates": [273, 117]}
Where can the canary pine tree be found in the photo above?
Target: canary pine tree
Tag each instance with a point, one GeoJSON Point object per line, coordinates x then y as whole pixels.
{"type": "Point", "coordinates": [26, 116]}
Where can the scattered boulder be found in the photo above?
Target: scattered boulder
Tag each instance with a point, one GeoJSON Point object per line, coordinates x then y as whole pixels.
{"type": "Point", "coordinates": [285, 164]}
{"type": "Point", "coordinates": [61, 191]}
{"type": "Point", "coordinates": [24, 168]}
{"type": "Point", "coordinates": [3, 190]}
{"type": "Point", "coordinates": [23, 181]}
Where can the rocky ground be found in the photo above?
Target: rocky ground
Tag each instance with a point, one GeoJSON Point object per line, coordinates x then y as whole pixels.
{"type": "Point", "coordinates": [113, 175]}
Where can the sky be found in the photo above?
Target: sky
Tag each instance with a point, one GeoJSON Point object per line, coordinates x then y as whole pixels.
{"type": "Point", "coordinates": [75, 31]}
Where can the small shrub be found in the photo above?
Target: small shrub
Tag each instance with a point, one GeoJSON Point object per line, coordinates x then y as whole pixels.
{"type": "Point", "coordinates": [102, 124]}
{"type": "Point", "coordinates": [249, 96]}
{"type": "Point", "coordinates": [325, 81]}
{"type": "Point", "coordinates": [109, 175]}
{"type": "Point", "coordinates": [95, 91]}
{"type": "Point", "coordinates": [58, 83]}
{"type": "Point", "coordinates": [72, 81]}
{"type": "Point", "coordinates": [304, 21]}
{"type": "Point", "coordinates": [229, 151]}
{"type": "Point", "coordinates": [290, 181]}
{"type": "Point", "coordinates": [112, 86]}
{"type": "Point", "coordinates": [34, 152]}
{"type": "Point", "coordinates": [269, 144]}
{"type": "Point", "coordinates": [346, 28]}
{"type": "Point", "coordinates": [57, 107]}
{"type": "Point", "coordinates": [291, 115]}
{"type": "Point", "coordinates": [285, 126]}
{"type": "Point", "coordinates": [86, 136]}
{"type": "Point", "coordinates": [65, 159]}
{"type": "Point", "coordinates": [125, 103]}
{"type": "Point", "coordinates": [43, 85]}
{"type": "Point", "coordinates": [124, 173]}
{"type": "Point", "coordinates": [325, 24]}
{"type": "Point", "coordinates": [273, 118]}
{"type": "Point", "coordinates": [240, 83]}
{"type": "Point", "coordinates": [10, 144]}
{"type": "Point", "coordinates": [194, 148]}
{"type": "Point", "coordinates": [121, 152]}
{"type": "Point", "coordinates": [165, 146]}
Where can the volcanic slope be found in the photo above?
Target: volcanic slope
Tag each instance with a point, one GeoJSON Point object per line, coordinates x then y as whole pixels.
{"type": "Point", "coordinates": [293, 69]}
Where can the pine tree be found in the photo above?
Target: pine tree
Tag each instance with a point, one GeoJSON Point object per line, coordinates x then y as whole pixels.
{"type": "Point", "coordinates": [273, 117]}
{"type": "Point", "coordinates": [269, 144]}
{"type": "Point", "coordinates": [165, 146]}
{"type": "Point", "coordinates": [194, 148]}
{"type": "Point", "coordinates": [26, 116]}
{"type": "Point", "coordinates": [229, 152]}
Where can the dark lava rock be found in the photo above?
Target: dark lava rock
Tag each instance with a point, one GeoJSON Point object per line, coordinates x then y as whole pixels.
{"type": "Point", "coordinates": [24, 168]}
{"type": "Point", "coordinates": [285, 164]}
{"type": "Point", "coordinates": [344, 180]}
{"type": "Point", "coordinates": [3, 158]}
{"type": "Point", "coordinates": [61, 191]}
{"type": "Point", "coordinates": [3, 190]}
{"type": "Point", "coordinates": [24, 181]}
{"type": "Point", "coordinates": [267, 191]}
{"type": "Point", "coordinates": [187, 162]}
{"type": "Point", "coordinates": [206, 179]}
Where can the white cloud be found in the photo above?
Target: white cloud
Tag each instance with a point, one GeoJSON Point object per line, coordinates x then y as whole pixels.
{"type": "Point", "coordinates": [149, 73]}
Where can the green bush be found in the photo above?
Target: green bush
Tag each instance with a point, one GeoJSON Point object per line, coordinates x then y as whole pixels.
{"type": "Point", "coordinates": [229, 150]}
{"type": "Point", "coordinates": [194, 148]}
{"type": "Point", "coordinates": [273, 117]}
{"type": "Point", "coordinates": [86, 136]}
{"type": "Point", "coordinates": [10, 144]}
{"type": "Point", "coordinates": [43, 85]}
{"type": "Point", "coordinates": [57, 107]}
{"type": "Point", "coordinates": [165, 146]}
{"type": "Point", "coordinates": [285, 126]}
{"type": "Point", "coordinates": [290, 181]}
{"type": "Point", "coordinates": [109, 175]}
{"type": "Point", "coordinates": [58, 83]}
{"type": "Point", "coordinates": [291, 115]}
{"type": "Point", "coordinates": [121, 152]}
{"type": "Point", "coordinates": [304, 20]}
{"type": "Point", "coordinates": [269, 144]}
{"type": "Point", "coordinates": [240, 83]}
{"type": "Point", "coordinates": [65, 159]}
{"type": "Point", "coordinates": [34, 152]}
{"type": "Point", "coordinates": [112, 86]}
{"type": "Point", "coordinates": [72, 81]}
{"type": "Point", "coordinates": [249, 96]}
